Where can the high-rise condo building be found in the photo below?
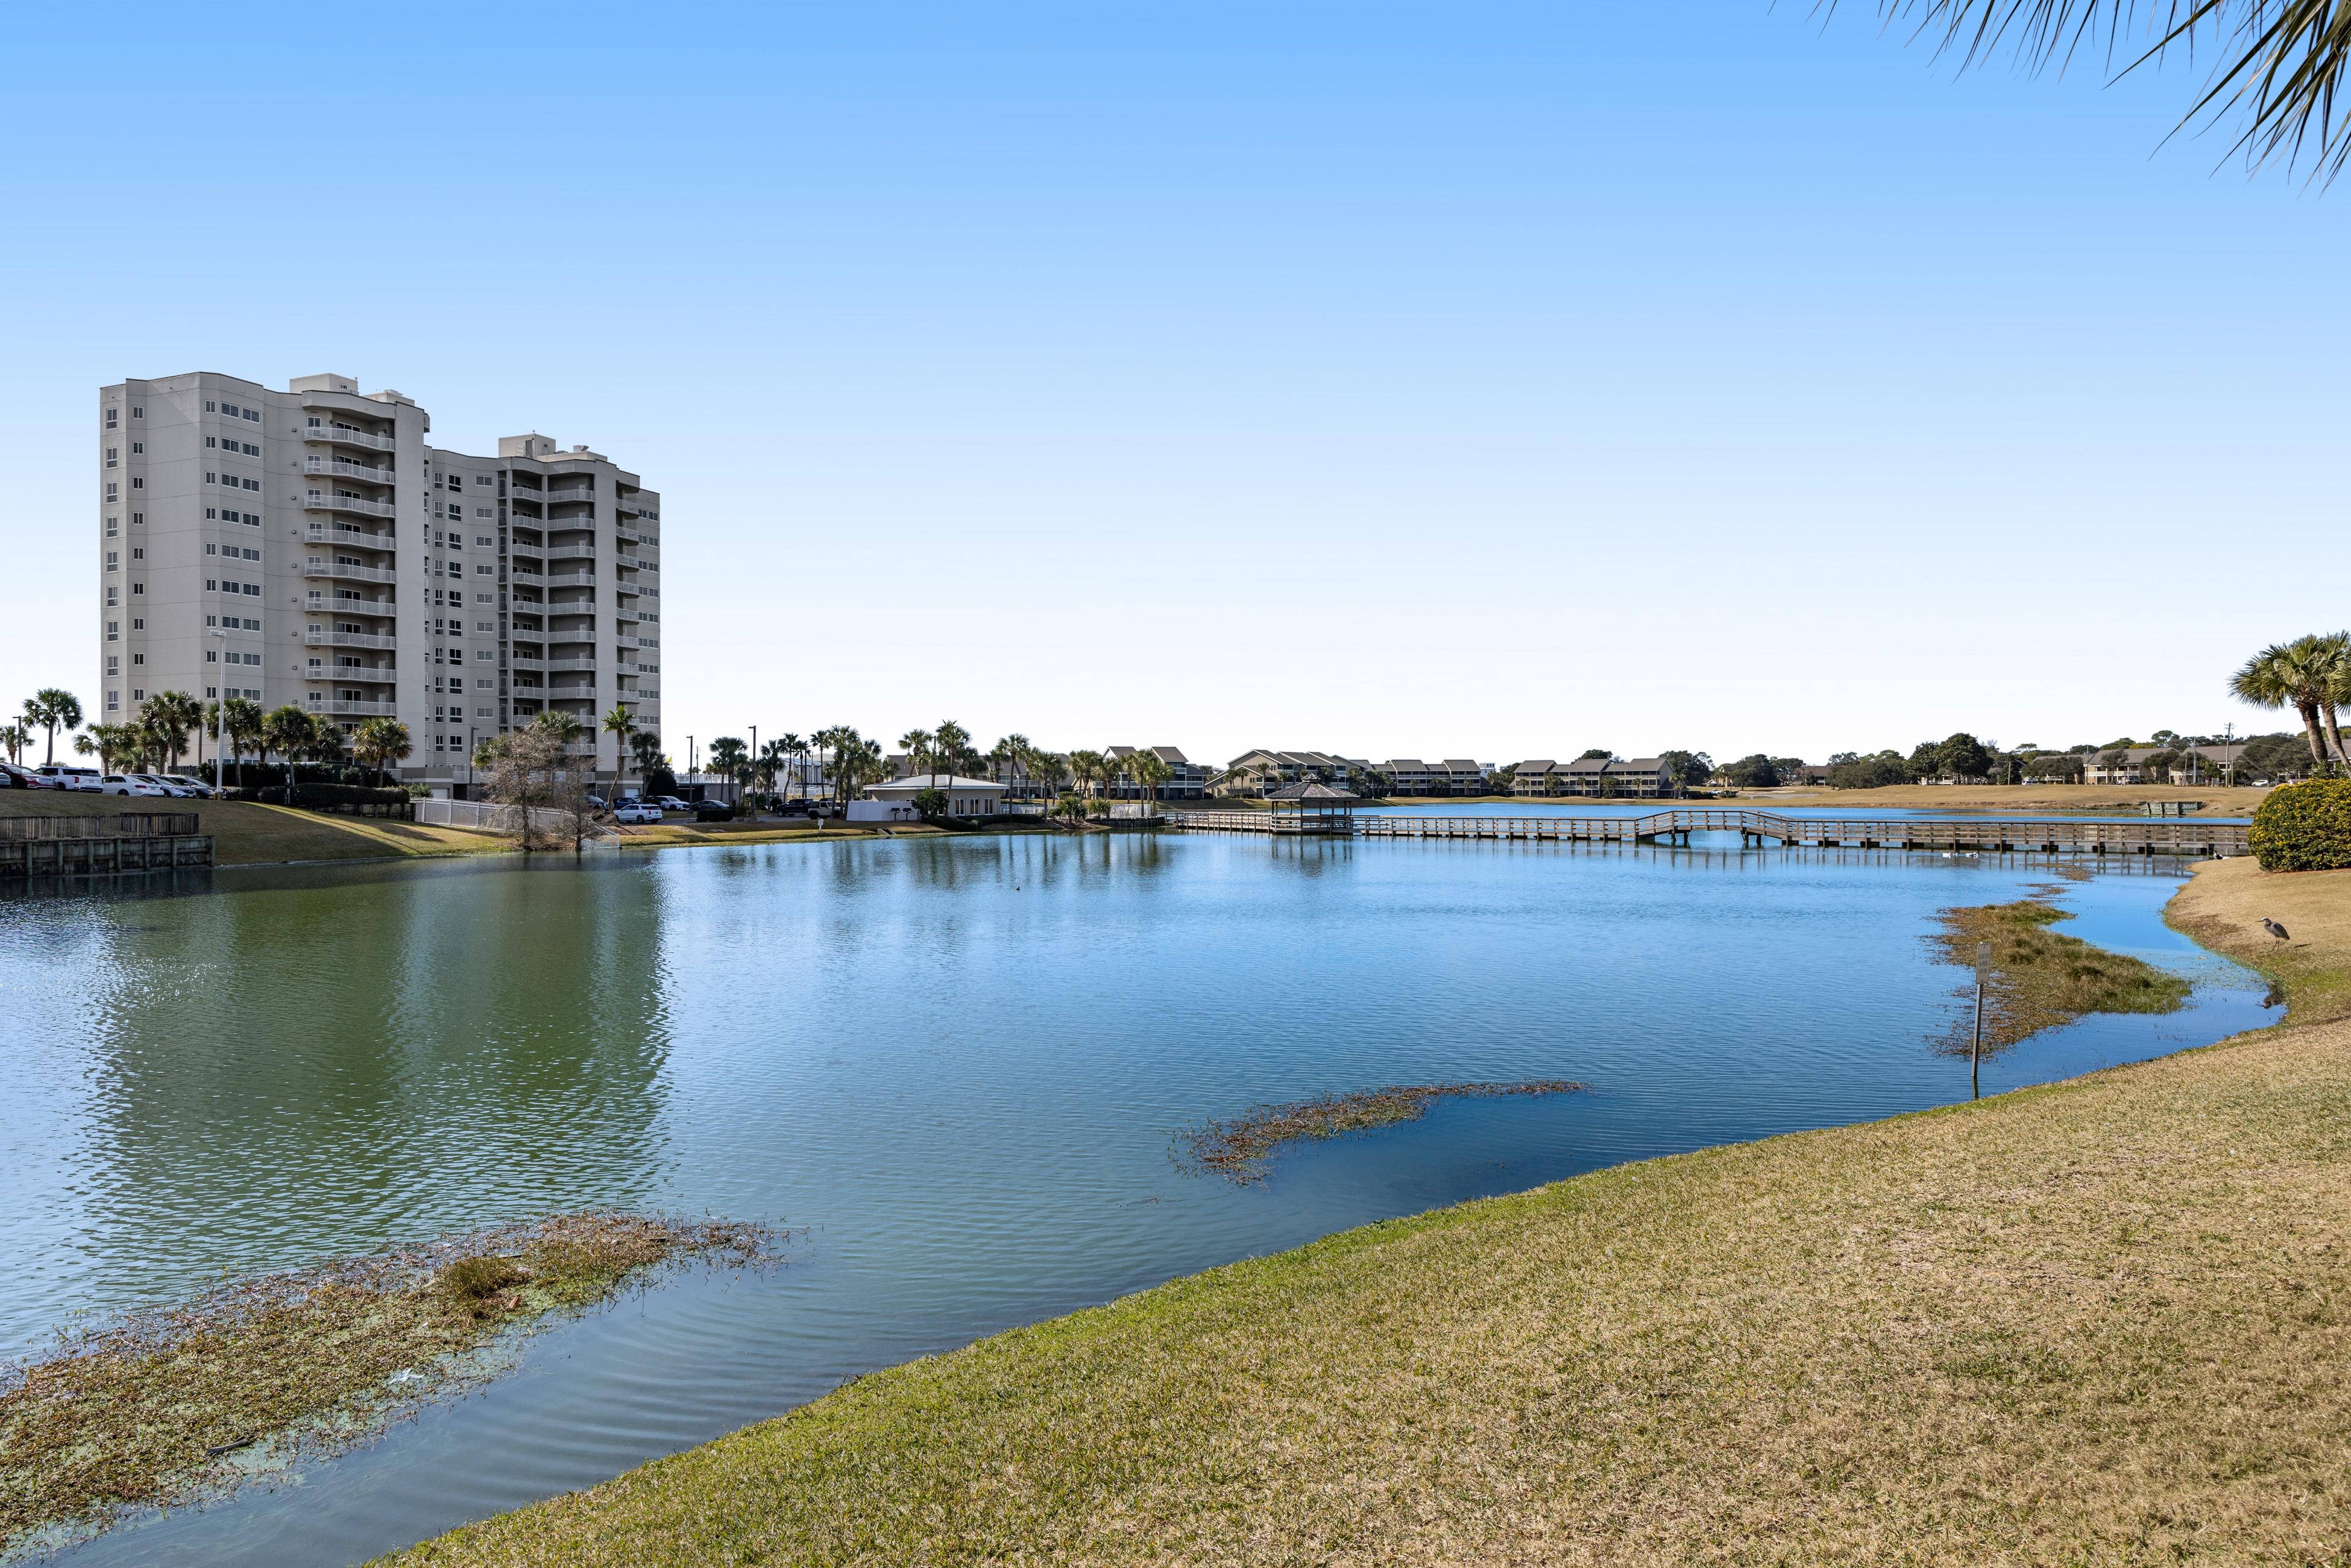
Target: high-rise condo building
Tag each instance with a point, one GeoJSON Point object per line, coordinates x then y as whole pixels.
{"type": "Point", "coordinates": [311, 547]}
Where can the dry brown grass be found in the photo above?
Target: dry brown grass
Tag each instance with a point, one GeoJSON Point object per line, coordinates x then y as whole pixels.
{"type": "Point", "coordinates": [149, 1409]}
{"type": "Point", "coordinates": [1239, 1147]}
{"type": "Point", "coordinates": [2108, 1321]}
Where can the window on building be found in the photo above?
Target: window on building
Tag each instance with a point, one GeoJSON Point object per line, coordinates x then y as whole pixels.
{"type": "Point", "coordinates": [137, 589]}
{"type": "Point", "coordinates": [111, 423]}
{"type": "Point", "coordinates": [113, 596]}
{"type": "Point", "coordinates": [113, 489]}
{"type": "Point", "coordinates": [137, 412]}
{"type": "Point", "coordinates": [138, 449]}
{"type": "Point", "coordinates": [138, 519]}
{"type": "Point", "coordinates": [138, 554]}
{"type": "Point", "coordinates": [253, 414]}
{"type": "Point", "coordinates": [112, 527]}
{"type": "Point", "coordinates": [137, 483]}
{"type": "Point", "coordinates": [114, 631]}
{"type": "Point", "coordinates": [113, 700]}
{"type": "Point", "coordinates": [113, 561]}
{"type": "Point", "coordinates": [114, 457]}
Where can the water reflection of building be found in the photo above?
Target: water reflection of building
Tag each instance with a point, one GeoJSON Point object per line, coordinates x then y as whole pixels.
{"type": "Point", "coordinates": [338, 1059]}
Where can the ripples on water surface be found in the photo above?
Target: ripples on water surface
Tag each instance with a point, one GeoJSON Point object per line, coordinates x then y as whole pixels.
{"type": "Point", "coordinates": [957, 1062]}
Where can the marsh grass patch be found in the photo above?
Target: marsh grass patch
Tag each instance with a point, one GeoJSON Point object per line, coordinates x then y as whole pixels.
{"type": "Point", "coordinates": [1238, 1148]}
{"type": "Point", "coordinates": [2042, 978]}
{"type": "Point", "coordinates": [173, 1405]}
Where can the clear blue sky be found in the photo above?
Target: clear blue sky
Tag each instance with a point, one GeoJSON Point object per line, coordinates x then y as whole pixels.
{"type": "Point", "coordinates": [1403, 380]}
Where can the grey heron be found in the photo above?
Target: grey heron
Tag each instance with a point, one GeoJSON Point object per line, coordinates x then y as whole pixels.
{"type": "Point", "coordinates": [2273, 928]}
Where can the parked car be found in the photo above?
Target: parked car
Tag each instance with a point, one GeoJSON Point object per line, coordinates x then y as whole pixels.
{"type": "Point", "coordinates": [64, 776]}
{"type": "Point", "coordinates": [194, 786]}
{"type": "Point", "coordinates": [671, 803]}
{"type": "Point", "coordinates": [169, 786]}
{"type": "Point", "coordinates": [637, 811]}
{"type": "Point", "coordinates": [713, 812]}
{"type": "Point", "coordinates": [15, 778]}
{"type": "Point", "coordinates": [124, 784]}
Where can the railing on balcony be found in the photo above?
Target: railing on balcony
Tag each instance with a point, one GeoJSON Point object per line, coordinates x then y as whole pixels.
{"type": "Point", "coordinates": [577, 494]}
{"type": "Point", "coordinates": [373, 674]}
{"type": "Point", "coordinates": [320, 635]}
{"type": "Point", "coordinates": [349, 708]}
{"type": "Point", "coordinates": [346, 468]}
{"type": "Point", "coordinates": [314, 567]}
{"type": "Point", "coordinates": [318, 601]}
{"type": "Point", "coordinates": [321, 501]}
{"type": "Point", "coordinates": [344, 534]}
{"type": "Point", "coordinates": [569, 664]}
{"type": "Point", "coordinates": [569, 579]}
{"type": "Point", "coordinates": [524, 662]}
{"type": "Point", "coordinates": [350, 435]}
{"type": "Point", "coordinates": [569, 552]}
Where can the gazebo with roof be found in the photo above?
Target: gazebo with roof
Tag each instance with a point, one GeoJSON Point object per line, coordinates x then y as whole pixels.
{"type": "Point", "coordinates": [1311, 807]}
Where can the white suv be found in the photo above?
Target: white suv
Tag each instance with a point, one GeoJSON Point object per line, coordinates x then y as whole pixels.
{"type": "Point", "coordinates": [126, 784]}
{"type": "Point", "coordinates": [62, 776]}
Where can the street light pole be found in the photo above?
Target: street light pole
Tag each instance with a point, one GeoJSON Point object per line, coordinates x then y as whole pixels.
{"type": "Point", "coordinates": [220, 709]}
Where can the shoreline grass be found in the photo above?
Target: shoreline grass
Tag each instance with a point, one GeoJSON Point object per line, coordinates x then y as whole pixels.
{"type": "Point", "coordinates": [1239, 1148]}
{"type": "Point", "coordinates": [2044, 979]}
{"type": "Point", "coordinates": [2102, 1320]}
{"type": "Point", "coordinates": [160, 1408]}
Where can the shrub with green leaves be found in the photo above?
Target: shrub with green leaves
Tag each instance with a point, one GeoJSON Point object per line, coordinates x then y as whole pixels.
{"type": "Point", "coordinates": [2305, 827]}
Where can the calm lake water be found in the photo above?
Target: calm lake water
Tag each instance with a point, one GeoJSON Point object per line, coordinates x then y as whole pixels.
{"type": "Point", "coordinates": [954, 1065]}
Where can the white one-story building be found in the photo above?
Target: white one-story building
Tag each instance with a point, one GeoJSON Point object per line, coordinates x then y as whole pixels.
{"type": "Point", "coordinates": [893, 800]}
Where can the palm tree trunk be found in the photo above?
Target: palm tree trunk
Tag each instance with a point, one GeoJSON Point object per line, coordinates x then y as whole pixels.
{"type": "Point", "coordinates": [2333, 732]}
{"type": "Point", "coordinates": [2309, 712]}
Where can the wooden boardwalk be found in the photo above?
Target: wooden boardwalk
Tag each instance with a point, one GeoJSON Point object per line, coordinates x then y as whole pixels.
{"type": "Point", "coordinates": [1979, 835]}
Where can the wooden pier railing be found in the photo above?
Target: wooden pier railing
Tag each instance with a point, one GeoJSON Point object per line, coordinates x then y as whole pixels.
{"type": "Point", "coordinates": [2094, 836]}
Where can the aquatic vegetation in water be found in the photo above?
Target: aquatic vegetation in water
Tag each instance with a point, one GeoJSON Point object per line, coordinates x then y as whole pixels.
{"type": "Point", "coordinates": [175, 1404]}
{"type": "Point", "coordinates": [2041, 979]}
{"type": "Point", "coordinates": [1239, 1147]}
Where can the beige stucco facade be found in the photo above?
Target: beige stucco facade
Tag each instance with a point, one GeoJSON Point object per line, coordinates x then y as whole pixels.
{"type": "Point", "coordinates": [312, 547]}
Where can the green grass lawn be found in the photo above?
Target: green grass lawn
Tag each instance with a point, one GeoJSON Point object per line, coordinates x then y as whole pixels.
{"type": "Point", "coordinates": [2107, 1320]}
{"type": "Point", "coordinates": [248, 834]}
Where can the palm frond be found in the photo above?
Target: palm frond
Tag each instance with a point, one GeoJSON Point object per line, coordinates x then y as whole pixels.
{"type": "Point", "coordinates": [2281, 62]}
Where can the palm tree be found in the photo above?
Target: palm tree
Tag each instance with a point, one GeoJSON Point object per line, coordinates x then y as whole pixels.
{"type": "Point", "coordinates": [773, 759]}
{"type": "Point", "coordinates": [793, 749]}
{"type": "Point", "coordinates": [1088, 767]}
{"type": "Point", "coordinates": [173, 714]}
{"type": "Point", "coordinates": [1048, 769]}
{"type": "Point", "coordinates": [2288, 674]}
{"type": "Point", "coordinates": [2331, 654]}
{"type": "Point", "coordinates": [919, 755]}
{"type": "Point", "coordinates": [117, 745]}
{"type": "Point", "coordinates": [1151, 772]}
{"type": "Point", "coordinates": [620, 724]}
{"type": "Point", "coordinates": [2278, 64]}
{"type": "Point", "coordinates": [381, 741]}
{"type": "Point", "coordinates": [952, 745]}
{"type": "Point", "coordinates": [647, 748]}
{"type": "Point", "coordinates": [54, 708]}
{"type": "Point", "coordinates": [15, 737]}
{"type": "Point", "coordinates": [286, 728]}
{"type": "Point", "coordinates": [727, 755]}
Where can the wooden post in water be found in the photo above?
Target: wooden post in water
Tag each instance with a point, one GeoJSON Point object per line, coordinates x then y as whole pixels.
{"type": "Point", "coordinates": [1975, 1051]}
